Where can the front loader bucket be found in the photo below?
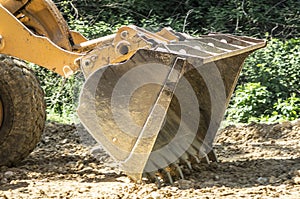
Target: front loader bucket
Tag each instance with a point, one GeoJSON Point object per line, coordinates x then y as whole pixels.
{"type": "Point", "coordinates": [160, 110]}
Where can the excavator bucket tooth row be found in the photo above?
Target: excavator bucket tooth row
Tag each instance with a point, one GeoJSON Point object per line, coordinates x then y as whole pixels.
{"type": "Point", "coordinates": [173, 171]}
{"type": "Point", "coordinates": [158, 111]}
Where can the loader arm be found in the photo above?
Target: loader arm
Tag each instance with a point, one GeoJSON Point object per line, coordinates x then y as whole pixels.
{"type": "Point", "coordinates": [24, 42]}
{"type": "Point", "coordinates": [34, 30]}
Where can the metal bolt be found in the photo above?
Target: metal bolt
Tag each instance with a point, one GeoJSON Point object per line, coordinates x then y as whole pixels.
{"type": "Point", "coordinates": [124, 34]}
{"type": "Point", "coordinates": [224, 41]}
{"type": "Point", "coordinates": [124, 50]}
{"type": "Point", "coordinates": [182, 51]}
{"type": "Point", "coordinates": [67, 71]}
{"type": "Point", "coordinates": [197, 47]}
{"type": "Point", "coordinates": [94, 58]}
{"type": "Point", "coordinates": [211, 44]}
{"type": "Point", "coordinates": [123, 47]}
{"type": "Point", "coordinates": [86, 63]}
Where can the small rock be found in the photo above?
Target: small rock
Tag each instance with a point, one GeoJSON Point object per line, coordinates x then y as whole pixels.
{"type": "Point", "coordinates": [297, 173]}
{"type": "Point", "coordinates": [296, 122]}
{"type": "Point", "coordinates": [273, 141]}
{"type": "Point", "coordinates": [186, 171]}
{"type": "Point", "coordinates": [262, 180]}
{"type": "Point", "coordinates": [3, 181]}
{"type": "Point", "coordinates": [272, 180]}
{"type": "Point", "coordinates": [124, 179]}
{"type": "Point", "coordinates": [64, 141]}
{"type": "Point", "coordinates": [142, 191]}
{"type": "Point", "coordinates": [9, 174]}
{"type": "Point", "coordinates": [93, 165]}
{"type": "Point", "coordinates": [216, 177]}
{"type": "Point", "coordinates": [296, 180]}
{"type": "Point", "coordinates": [96, 150]}
{"type": "Point", "coordinates": [42, 192]}
{"type": "Point", "coordinates": [286, 125]}
{"type": "Point", "coordinates": [71, 164]}
{"type": "Point", "coordinates": [92, 176]}
{"type": "Point", "coordinates": [185, 184]}
{"type": "Point", "coordinates": [79, 165]}
{"type": "Point", "coordinates": [154, 195]}
{"type": "Point", "coordinates": [83, 190]}
{"type": "Point", "coordinates": [208, 183]}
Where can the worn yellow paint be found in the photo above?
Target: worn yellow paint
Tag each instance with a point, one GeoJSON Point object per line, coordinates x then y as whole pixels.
{"type": "Point", "coordinates": [20, 42]}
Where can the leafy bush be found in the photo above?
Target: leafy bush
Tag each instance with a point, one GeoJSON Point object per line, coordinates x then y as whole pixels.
{"type": "Point", "coordinates": [249, 100]}
{"type": "Point", "coordinates": [288, 109]}
{"type": "Point", "coordinates": [61, 94]}
{"type": "Point", "coordinates": [271, 73]}
{"type": "Point", "coordinates": [279, 19]}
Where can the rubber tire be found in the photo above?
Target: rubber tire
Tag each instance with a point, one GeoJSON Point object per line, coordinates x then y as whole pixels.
{"type": "Point", "coordinates": [24, 111]}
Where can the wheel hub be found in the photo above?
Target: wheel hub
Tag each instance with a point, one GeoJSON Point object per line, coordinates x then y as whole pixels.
{"type": "Point", "coordinates": [1, 113]}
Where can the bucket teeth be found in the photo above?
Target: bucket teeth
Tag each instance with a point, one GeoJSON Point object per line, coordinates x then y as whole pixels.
{"type": "Point", "coordinates": [206, 159]}
{"type": "Point", "coordinates": [197, 159]}
{"type": "Point", "coordinates": [194, 156]}
{"type": "Point", "coordinates": [212, 156]}
{"type": "Point", "coordinates": [189, 164]}
{"type": "Point", "coordinates": [169, 177]}
{"type": "Point", "coordinates": [179, 170]}
{"type": "Point", "coordinates": [185, 159]}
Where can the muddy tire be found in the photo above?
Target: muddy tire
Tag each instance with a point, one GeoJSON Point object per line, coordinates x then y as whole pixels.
{"type": "Point", "coordinates": [22, 111]}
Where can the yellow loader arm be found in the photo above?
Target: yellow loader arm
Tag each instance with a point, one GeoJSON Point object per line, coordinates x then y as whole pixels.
{"type": "Point", "coordinates": [153, 100]}
{"type": "Point", "coordinates": [34, 30]}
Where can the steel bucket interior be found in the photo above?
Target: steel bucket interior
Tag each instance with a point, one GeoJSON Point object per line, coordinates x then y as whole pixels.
{"type": "Point", "coordinates": [157, 109]}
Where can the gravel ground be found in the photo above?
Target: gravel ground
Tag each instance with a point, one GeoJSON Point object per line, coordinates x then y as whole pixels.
{"type": "Point", "coordinates": [255, 161]}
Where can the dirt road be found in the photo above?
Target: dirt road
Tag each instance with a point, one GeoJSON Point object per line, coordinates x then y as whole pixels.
{"type": "Point", "coordinates": [256, 161]}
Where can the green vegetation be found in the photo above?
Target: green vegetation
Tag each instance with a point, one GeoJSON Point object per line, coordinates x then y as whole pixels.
{"type": "Point", "coordinates": [269, 84]}
{"type": "Point", "coordinates": [61, 94]}
{"type": "Point", "coordinates": [268, 88]}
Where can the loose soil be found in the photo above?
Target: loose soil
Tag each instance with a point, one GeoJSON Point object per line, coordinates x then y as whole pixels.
{"type": "Point", "coordinates": [255, 161]}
